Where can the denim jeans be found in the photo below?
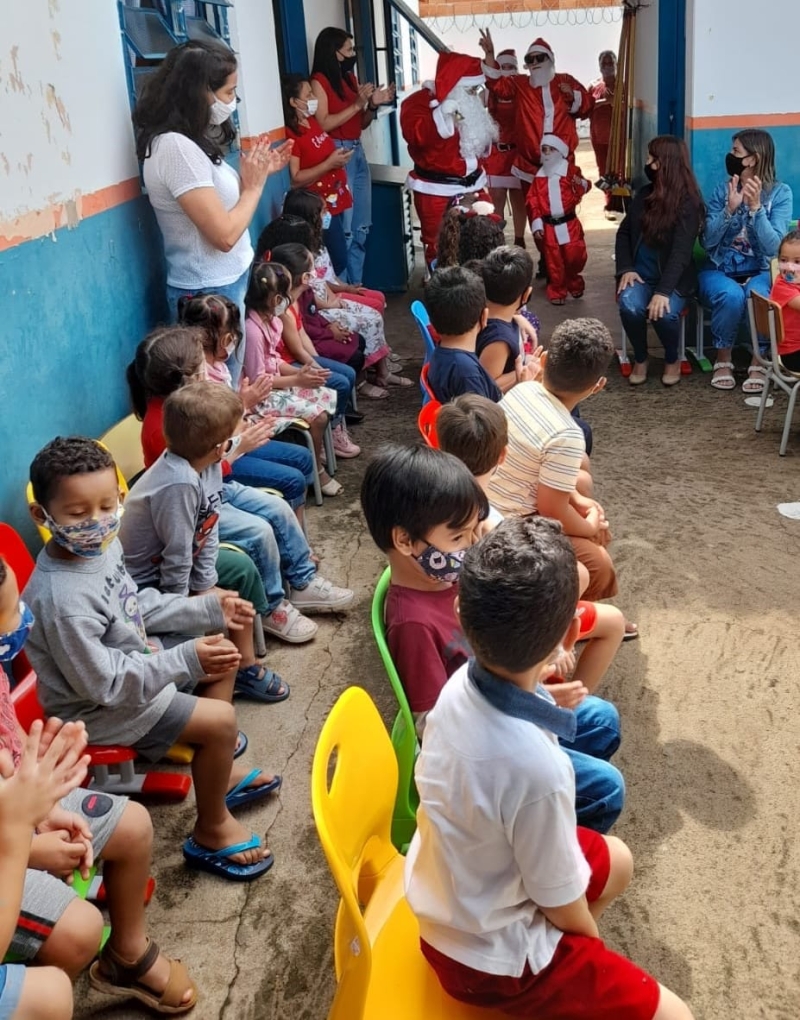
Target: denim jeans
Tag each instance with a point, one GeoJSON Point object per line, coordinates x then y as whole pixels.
{"type": "Point", "coordinates": [336, 243]}
{"type": "Point", "coordinates": [633, 302]}
{"type": "Point", "coordinates": [358, 220]}
{"type": "Point", "coordinates": [342, 379]}
{"type": "Point", "coordinates": [236, 292]}
{"type": "Point", "coordinates": [282, 466]}
{"type": "Point", "coordinates": [599, 786]}
{"type": "Point", "coordinates": [266, 526]}
{"type": "Point", "coordinates": [727, 300]}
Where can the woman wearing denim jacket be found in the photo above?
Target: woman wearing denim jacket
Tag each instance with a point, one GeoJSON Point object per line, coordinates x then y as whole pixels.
{"type": "Point", "coordinates": [747, 217]}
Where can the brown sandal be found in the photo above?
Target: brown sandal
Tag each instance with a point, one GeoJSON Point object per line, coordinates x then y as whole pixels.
{"type": "Point", "coordinates": [114, 976]}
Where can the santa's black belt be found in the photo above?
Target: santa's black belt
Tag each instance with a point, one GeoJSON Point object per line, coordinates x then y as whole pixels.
{"type": "Point", "coordinates": [505, 146]}
{"type": "Point", "coordinates": [556, 221]}
{"type": "Point", "coordinates": [436, 178]}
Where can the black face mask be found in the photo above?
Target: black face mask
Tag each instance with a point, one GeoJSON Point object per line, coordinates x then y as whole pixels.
{"type": "Point", "coordinates": [650, 172]}
{"type": "Point", "coordinates": [734, 165]}
{"type": "Point", "coordinates": [348, 64]}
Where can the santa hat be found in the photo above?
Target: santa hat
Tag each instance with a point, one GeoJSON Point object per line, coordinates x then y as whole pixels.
{"type": "Point", "coordinates": [540, 46]}
{"type": "Point", "coordinates": [556, 143]}
{"type": "Point", "coordinates": [454, 69]}
{"type": "Point", "coordinates": [506, 53]}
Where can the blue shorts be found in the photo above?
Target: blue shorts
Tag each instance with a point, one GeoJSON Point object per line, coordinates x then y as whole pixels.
{"type": "Point", "coordinates": [12, 978]}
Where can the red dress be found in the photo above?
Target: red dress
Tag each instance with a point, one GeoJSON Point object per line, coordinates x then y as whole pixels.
{"type": "Point", "coordinates": [312, 146]}
{"type": "Point", "coordinates": [552, 203]}
{"type": "Point", "coordinates": [501, 158]}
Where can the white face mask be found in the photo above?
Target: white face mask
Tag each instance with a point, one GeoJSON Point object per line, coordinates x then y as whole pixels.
{"type": "Point", "coordinates": [230, 348]}
{"type": "Point", "coordinates": [282, 307]}
{"type": "Point", "coordinates": [219, 112]}
{"type": "Point", "coordinates": [311, 106]}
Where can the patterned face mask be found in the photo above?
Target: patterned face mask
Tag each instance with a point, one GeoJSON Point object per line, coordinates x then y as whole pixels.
{"type": "Point", "coordinates": [87, 538]}
{"type": "Point", "coordinates": [11, 644]}
{"type": "Point", "coordinates": [441, 566]}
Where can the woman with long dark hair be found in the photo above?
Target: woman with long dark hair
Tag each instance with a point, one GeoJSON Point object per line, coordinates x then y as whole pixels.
{"type": "Point", "coordinates": [748, 214]}
{"type": "Point", "coordinates": [183, 127]}
{"type": "Point", "coordinates": [654, 255]}
{"type": "Point", "coordinates": [344, 109]}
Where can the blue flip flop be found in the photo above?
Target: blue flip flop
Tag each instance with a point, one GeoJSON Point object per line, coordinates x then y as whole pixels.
{"type": "Point", "coordinates": [251, 683]}
{"type": "Point", "coordinates": [244, 793]}
{"type": "Point", "coordinates": [241, 745]}
{"type": "Point", "coordinates": [216, 861]}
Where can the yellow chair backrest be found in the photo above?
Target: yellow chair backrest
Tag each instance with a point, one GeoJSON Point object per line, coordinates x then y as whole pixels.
{"type": "Point", "coordinates": [124, 443]}
{"type": "Point", "coordinates": [352, 799]}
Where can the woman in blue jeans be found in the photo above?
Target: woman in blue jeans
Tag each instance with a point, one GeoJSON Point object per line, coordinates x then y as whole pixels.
{"type": "Point", "coordinates": [654, 260]}
{"type": "Point", "coordinates": [748, 215]}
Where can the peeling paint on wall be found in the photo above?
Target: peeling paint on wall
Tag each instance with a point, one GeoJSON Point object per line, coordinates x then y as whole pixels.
{"type": "Point", "coordinates": [56, 37]}
{"type": "Point", "coordinates": [54, 102]}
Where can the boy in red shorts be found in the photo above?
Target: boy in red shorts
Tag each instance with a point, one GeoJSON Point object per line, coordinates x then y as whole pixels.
{"type": "Point", "coordinates": [514, 926]}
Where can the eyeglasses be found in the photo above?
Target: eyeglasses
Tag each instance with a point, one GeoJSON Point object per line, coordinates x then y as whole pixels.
{"type": "Point", "coordinates": [230, 445]}
{"type": "Point", "coordinates": [532, 59]}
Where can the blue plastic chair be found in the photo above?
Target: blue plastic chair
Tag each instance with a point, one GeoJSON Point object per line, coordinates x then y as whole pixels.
{"type": "Point", "coordinates": [420, 313]}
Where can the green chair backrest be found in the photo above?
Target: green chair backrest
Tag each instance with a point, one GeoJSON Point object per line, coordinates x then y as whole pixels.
{"type": "Point", "coordinates": [404, 735]}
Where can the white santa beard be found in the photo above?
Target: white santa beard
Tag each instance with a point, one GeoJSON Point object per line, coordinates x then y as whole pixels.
{"type": "Point", "coordinates": [543, 74]}
{"type": "Point", "coordinates": [477, 130]}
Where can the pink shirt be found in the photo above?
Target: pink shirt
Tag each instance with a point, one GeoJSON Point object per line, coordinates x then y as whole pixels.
{"type": "Point", "coordinates": [263, 346]}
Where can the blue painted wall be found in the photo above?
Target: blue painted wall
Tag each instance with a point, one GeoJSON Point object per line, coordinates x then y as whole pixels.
{"type": "Point", "coordinates": [707, 148]}
{"type": "Point", "coordinates": [74, 307]}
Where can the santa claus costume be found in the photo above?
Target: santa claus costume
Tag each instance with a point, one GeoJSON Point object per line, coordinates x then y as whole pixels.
{"type": "Point", "coordinates": [554, 195]}
{"type": "Point", "coordinates": [501, 159]}
{"type": "Point", "coordinates": [449, 134]}
{"type": "Point", "coordinates": [544, 102]}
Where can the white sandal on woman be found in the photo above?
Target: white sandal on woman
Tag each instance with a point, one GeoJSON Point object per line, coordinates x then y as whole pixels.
{"type": "Point", "coordinates": [756, 377]}
{"type": "Point", "coordinates": [725, 380]}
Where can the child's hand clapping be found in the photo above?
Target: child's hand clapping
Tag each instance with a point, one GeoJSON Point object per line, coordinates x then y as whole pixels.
{"type": "Point", "coordinates": [312, 375]}
{"type": "Point", "coordinates": [253, 393]}
{"type": "Point", "coordinates": [256, 434]}
{"type": "Point", "coordinates": [217, 654]}
{"type": "Point", "coordinates": [238, 613]}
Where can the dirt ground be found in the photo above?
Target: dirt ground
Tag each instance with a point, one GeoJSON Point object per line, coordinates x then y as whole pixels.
{"type": "Point", "coordinates": [708, 569]}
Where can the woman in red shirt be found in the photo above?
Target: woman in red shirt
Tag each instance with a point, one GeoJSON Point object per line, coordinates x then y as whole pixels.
{"type": "Point", "coordinates": [317, 165]}
{"type": "Point", "coordinates": [344, 109]}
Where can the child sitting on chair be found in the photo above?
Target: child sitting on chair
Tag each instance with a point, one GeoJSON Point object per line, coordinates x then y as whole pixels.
{"type": "Point", "coordinates": [786, 293]}
{"type": "Point", "coordinates": [54, 927]}
{"type": "Point", "coordinates": [423, 508]}
{"type": "Point", "coordinates": [120, 661]}
{"type": "Point", "coordinates": [506, 887]}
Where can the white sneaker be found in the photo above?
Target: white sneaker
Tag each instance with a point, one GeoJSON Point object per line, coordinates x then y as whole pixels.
{"type": "Point", "coordinates": [287, 624]}
{"type": "Point", "coordinates": [321, 594]}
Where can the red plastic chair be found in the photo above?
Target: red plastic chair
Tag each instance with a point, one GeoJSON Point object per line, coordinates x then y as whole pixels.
{"type": "Point", "coordinates": [427, 392]}
{"type": "Point", "coordinates": [427, 422]}
{"type": "Point", "coordinates": [167, 786]}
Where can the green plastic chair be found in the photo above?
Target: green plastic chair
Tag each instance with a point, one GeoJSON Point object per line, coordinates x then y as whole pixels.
{"type": "Point", "coordinates": [404, 735]}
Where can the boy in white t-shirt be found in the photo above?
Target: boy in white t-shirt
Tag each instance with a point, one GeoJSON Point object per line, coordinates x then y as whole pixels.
{"type": "Point", "coordinates": [506, 888]}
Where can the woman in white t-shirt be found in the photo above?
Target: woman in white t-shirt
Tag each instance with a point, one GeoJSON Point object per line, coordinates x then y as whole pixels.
{"type": "Point", "coordinates": [203, 207]}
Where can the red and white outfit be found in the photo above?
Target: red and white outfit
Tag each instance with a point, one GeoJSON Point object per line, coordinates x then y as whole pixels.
{"type": "Point", "coordinates": [540, 108]}
{"type": "Point", "coordinates": [553, 198]}
{"type": "Point", "coordinates": [431, 122]}
{"type": "Point", "coordinates": [501, 159]}
{"type": "Point", "coordinates": [312, 146]}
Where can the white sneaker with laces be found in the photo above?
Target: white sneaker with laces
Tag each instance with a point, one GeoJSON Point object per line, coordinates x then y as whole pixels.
{"type": "Point", "coordinates": [320, 594]}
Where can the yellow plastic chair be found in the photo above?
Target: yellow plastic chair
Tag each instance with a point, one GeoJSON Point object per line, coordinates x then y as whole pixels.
{"type": "Point", "coordinates": [380, 969]}
{"type": "Point", "coordinates": [124, 442]}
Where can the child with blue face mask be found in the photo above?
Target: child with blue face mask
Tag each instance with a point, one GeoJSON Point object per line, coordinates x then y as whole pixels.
{"type": "Point", "coordinates": [786, 292]}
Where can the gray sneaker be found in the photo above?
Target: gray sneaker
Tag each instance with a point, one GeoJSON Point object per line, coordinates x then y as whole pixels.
{"type": "Point", "coordinates": [320, 595]}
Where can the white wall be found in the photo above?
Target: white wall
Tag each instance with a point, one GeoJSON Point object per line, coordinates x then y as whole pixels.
{"type": "Point", "coordinates": [63, 134]}
{"type": "Point", "coordinates": [321, 14]}
{"type": "Point", "coordinates": [645, 79]}
{"type": "Point", "coordinates": [745, 58]}
{"type": "Point", "coordinates": [253, 37]}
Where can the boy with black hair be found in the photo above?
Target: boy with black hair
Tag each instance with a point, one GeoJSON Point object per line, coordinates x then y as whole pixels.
{"type": "Point", "coordinates": [456, 302]}
{"type": "Point", "coordinates": [51, 926]}
{"type": "Point", "coordinates": [507, 274]}
{"type": "Point", "coordinates": [99, 661]}
{"type": "Point", "coordinates": [546, 447]}
{"type": "Point", "coordinates": [514, 926]}
{"type": "Point", "coordinates": [422, 508]}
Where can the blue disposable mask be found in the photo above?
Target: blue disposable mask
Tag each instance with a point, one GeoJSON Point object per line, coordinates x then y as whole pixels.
{"type": "Point", "coordinates": [11, 644]}
{"type": "Point", "coordinates": [441, 566]}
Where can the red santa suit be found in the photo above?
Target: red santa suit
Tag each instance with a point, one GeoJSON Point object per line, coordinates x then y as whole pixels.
{"type": "Point", "coordinates": [542, 107]}
{"type": "Point", "coordinates": [554, 196]}
{"type": "Point", "coordinates": [501, 158]}
{"type": "Point", "coordinates": [449, 135]}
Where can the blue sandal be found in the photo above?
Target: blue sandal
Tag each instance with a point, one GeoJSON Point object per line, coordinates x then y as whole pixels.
{"type": "Point", "coordinates": [245, 793]}
{"type": "Point", "coordinates": [217, 861]}
{"type": "Point", "coordinates": [260, 684]}
{"type": "Point", "coordinates": [241, 745]}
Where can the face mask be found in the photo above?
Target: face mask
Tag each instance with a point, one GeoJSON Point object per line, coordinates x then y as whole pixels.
{"type": "Point", "coordinates": [282, 307]}
{"type": "Point", "coordinates": [219, 112]}
{"type": "Point", "coordinates": [790, 270]}
{"type": "Point", "coordinates": [734, 165]}
{"type": "Point", "coordinates": [230, 348]}
{"type": "Point", "coordinates": [650, 172]}
{"type": "Point", "coordinates": [441, 566]}
{"type": "Point", "coordinates": [311, 106]}
{"type": "Point", "coordinates": [348, 64]}
{"type": "Point", "coordinates": [11, 644]}
{"type": "Point", "coordinates": [88, 538]}
{"type": "Point", "coordinates": [508, 72]}
{"type": "Point", "coordinates": [326, 219]}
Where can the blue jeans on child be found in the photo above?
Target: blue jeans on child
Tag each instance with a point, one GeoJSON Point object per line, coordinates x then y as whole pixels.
{"type": "Point", "coordinates": [726, 298]}
{"type": "Point", "coordinates": [633, 302]}
{"type": "Point", "coordinates": [268, 531]}
{"type": "Point", "coordinates": [599, 786]}
{"type": "Point", "coordinates": [358, 220]}
{"type": "Point", "coordinates": [236, 292]}
{"type": "Point", "coordinates": [275, 465]}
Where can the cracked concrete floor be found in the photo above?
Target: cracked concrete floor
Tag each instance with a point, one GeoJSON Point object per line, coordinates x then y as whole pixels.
{"type": "Point", "coordinates": [708, 699]}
